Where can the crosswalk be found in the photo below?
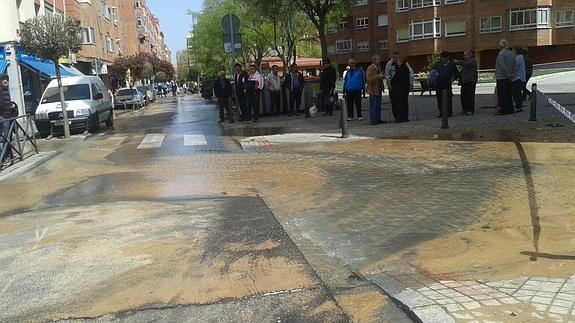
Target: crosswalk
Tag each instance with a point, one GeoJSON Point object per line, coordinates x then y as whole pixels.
{"type": "Point", "coordinates": [157, 140]}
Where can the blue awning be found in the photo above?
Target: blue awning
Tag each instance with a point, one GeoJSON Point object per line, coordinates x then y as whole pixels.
{"type": "Point", "coordinates": [3, 65]}
{"type": "Point", "coordinates": [44, 67]}
{"type": "Point", "coordinates": [72, 70]}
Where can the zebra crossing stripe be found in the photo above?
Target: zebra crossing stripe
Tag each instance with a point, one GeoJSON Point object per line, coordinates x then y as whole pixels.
{"type": "Point", "coordinates": [195, 140]}
{"type": "Point", "coordinates": [153, 140]}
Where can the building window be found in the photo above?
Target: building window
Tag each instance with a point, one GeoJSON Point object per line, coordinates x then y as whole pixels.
{"type": "Point", "coordinates": [382, 20]}
{"type": "Point", "coordinates": [529, 18]}
{"type": "Point", "coordinates": [363, 46]}
{"type": "Point", "coordinates": [382, 45]}
{"type": "Point", "coordinates": [454, 28]}
{"type": "Point", "coordinates": [489, 25]}
{"type": "Point", "coordinates": [343, 46]}
{"type": "Point", "coordinates": [424, 3]}
{"type": "Point", "coordinates": [402, 34]}
{"type": "Point", "coordinates": [360, 2]}
{"type": "Point", "coordinates": [564, 18]}
{"type": "Point", "coordinates": [343, 25]}
{"type": "Point", "coordinates": [109, 44]}
{"type": "Point", "coordinates": [107, 11]}
{"type": "Point", "coordinates": [140, 22]}
{"type": "Point", "coordinates": [424, 29]}
{"type": "Point", "coordinates": [88, 35]}
{"type": "Point", "coordinates": [361, 23]}
{"type": "Point", "coordinates": [138, 4]}
{"type": "Point", "coordinates": [401, 5]}
{"type": "Point", "coordinates": [331, 30]}
{"type": "Point", "coordinates": [454, 1]}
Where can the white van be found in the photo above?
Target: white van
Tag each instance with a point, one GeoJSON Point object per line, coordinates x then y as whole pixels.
{"type": "Point", "coordinates": [87, 102]}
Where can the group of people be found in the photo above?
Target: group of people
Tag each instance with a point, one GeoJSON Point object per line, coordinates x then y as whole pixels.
{"type": "Point", "coordinates": [513, 69]}
{"type": "Point", "coordinates": [248, 88]}
{"type": "Point", "coordinates": [396, 73]}
{"type": "Point", "coordinates": [8, 110]}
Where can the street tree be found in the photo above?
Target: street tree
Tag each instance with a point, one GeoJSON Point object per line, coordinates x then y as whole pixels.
{"type": "Point", "coordinates": [161, 77]}
{"type": "Point", "coordinates": [52, 37]}
{"type": "Point", "coordinates": [320, 12]}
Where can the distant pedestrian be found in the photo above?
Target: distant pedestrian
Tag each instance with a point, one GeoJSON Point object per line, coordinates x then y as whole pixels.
{"type": "Point", "coordinates": [504, 74]}
{"type": "Point", "coordinates": [254, 86]}
{"type": "Point", "coordinates": [400, 85]}
{"type": "Point", "coordinates": [353, 84]}
{"type": "Point", "coordinates": [240, 78]}
{"type": "Point", "coordinates": [295, 83]}
{"type": "Point", "coordinates": [327, 86]}
{"type": "Point", "coordinates": [469, 78]}
{"type": "Point", "coordinates": [274, 84]}
{"type": "Point", "coordinates": [447, 72]}
{"type": "Point", "coordinates": [519, 79]}
{"type": "Point", "coordinates": [174, 89]}
{"type": "Point", "coordinates": [7, 112]}
{"type": "Point", "coordinates": [389, 70]}
{"type": "Point", "coordinates": [223, 92]}
{"type": "Point", "coordinates": [375, 79]}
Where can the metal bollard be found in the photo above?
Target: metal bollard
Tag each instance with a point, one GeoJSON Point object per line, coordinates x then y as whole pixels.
{"type": "Point", "coordinates": [444, 111]}
{"type": "Point", "coordinates": [344, 131]}
{"type": "Point", "coordinates": [533, 103]}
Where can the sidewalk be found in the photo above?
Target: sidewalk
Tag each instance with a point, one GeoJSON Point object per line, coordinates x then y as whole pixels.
{"type": "Point", "coordinates": [424, 123]}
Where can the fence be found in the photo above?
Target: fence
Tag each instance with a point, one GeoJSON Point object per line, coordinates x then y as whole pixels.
{"type": "Point", "coordinates": [17, 140]}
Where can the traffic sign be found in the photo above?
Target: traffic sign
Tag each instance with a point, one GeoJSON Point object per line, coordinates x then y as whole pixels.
{"type": "Point", "coordinates": [232, 38]}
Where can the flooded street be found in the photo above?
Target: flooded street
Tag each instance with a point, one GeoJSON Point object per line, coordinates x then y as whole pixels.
{"type": "Point", "coordinates": [168, 217]}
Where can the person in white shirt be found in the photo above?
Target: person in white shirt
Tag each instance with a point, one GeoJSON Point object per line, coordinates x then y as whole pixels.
{"type": "Point", "coordinates": [273, 83]}
{"type": "Point", "coordinates": [254, 85]}
{"type": "Point", "coordinates": [390, 70]}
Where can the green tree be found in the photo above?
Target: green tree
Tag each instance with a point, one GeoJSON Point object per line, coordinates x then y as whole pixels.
{"type": "Point", "coordinates": [161, 77]}
{"type": "Point", "coordinates": [320, 12]}
{"type": "Point", "coordinates": [52, 37]}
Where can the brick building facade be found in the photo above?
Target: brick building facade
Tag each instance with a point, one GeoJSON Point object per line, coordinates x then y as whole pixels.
{"type": "Point", "coordinates": [418, 28]}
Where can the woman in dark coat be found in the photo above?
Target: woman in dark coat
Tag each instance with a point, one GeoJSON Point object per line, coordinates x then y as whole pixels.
{"type": "Point", "coordinates": [399, 93]}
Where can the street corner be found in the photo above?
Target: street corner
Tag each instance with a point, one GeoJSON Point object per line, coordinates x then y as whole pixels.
{"type": "Point", "coordinates": [266, 142]}
{"type": "Point", "coordinates": [132, 256]}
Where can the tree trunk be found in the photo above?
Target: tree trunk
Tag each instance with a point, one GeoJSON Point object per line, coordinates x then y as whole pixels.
{"type": "Point", "coordinates": [62, 100]}
{"type": "Point", "coordinates": [322, 41]}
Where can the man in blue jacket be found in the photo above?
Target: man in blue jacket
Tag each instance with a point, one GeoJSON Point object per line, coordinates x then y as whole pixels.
{"type": "Point", "coordinates": [353, 84]}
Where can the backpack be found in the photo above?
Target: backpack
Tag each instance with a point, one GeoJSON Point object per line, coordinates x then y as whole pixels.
{"type": "Point", "coordinates": [432, 78]}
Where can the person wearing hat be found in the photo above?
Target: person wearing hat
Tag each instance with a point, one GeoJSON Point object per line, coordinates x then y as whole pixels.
{"type": "Point", "coordinates": [7, 111]}
{"type": "Point", "coordinates": [327, 86]}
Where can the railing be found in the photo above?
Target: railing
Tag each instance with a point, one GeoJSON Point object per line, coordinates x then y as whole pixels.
{"type": "Point", "coordinates": [17, 140]}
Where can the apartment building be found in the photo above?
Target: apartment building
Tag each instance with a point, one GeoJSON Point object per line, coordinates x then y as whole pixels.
{"type": "Point", "coordinates": [418, 28]}
{"type": "Point", "coordinates": [142, 32]}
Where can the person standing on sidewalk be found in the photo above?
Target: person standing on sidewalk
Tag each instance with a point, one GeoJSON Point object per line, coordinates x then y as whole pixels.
{"type": "Point", "coordinates": [254, 85]}
{"type": "Point", "coordinates": [223, 92]}
{"type": "Point", "coordinates": [447, 72]}
{"type": "Point", "coordinates": [504, 74]}
{"type": "Point", "coordinates": [295, 83]}
{"type": "Point", "coordinates": [375, 89]}
{"type": "Point", "coordinates": [327, 86]}
{"type": "Point", "coordinates": [274, 84]}
{"type": "Point", "coordinates": [468, 82]}
{"type": "Point", "coordinates": [528, 72]}
{"type": "Point", "coordinates": [519, 80]}
{"type": "Point", "coordinates": [240, 78]}
{"type": "Point", "coordinates": [7, 112]}
{"type": "Point", "coordinates": [353, 84]}
{"type": "Point", "coordinates": [400, 85]}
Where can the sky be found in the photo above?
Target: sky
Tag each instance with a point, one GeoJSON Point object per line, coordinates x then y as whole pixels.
{"type": "Point", "coordinates": [173, 20]}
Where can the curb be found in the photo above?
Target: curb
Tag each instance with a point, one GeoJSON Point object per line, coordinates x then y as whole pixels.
{"type": "Point", "coordinates": [26, 165]}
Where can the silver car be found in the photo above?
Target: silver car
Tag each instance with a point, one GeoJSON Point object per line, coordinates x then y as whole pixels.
{"type": "Point", "coordinates": [129, 97]}
{"type": "Point", "coordinates": [149, 93]}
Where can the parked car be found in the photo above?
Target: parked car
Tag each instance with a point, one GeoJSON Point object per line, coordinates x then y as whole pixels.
{"type": "Point", "coordinates": [149, 92]}
{"type": "Point", "coordinates": [129, 97]}
{"type": "Point", "coordinates": [87, 101]}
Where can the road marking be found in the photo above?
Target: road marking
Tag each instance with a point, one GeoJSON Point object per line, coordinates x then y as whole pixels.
{"type": "Point", "coordinates": [195, 140]}
{"type": "Point", "coordinates": [153, 140]}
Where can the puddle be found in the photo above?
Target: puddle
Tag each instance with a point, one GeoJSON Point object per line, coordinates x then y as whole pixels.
{"type": "Point", "coordinates": [252, 132]}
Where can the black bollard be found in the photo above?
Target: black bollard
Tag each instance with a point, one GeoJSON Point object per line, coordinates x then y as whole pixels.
{"type": "Point", "coordinates": [444, 111]}
{"type": "Point", "coordinates": [344, 131]}
{"type": "Point", "coordinates": [533, 103]}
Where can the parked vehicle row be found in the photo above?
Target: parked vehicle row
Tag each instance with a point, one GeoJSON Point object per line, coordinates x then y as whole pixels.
{"type": "Point", "coordinates": [88, 104]}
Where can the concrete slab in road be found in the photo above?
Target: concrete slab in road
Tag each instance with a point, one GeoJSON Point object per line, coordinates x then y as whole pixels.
{"type": "Point", "coordinates": [171, 258]}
